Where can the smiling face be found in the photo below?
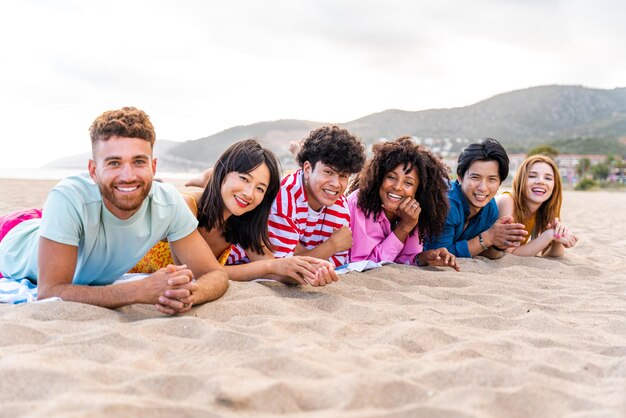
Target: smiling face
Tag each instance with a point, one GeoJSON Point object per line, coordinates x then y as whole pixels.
{"type": "Point", "coordinates": [480, 184]}
{"type": "Point", "coordinates": [323, 184]}
{"type": "Point", "coordinates": [396, 186]}
{"type": "Point", "coordinates": [123, 169]}
{"type": "Point", "coordinates": [242, 192]}
{"type": "Point", "coordinates": [540, 183]}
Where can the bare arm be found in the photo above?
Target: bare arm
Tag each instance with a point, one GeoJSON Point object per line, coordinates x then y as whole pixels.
{"type": "Point", "coordinates": [504, 234]}
{"type": "Point", "coordinates": [505, 208]}
{"type": "Point", "coordinates": [290, 270]}
{"type": "Point", "coordinates": [57, 265]}
{"type": "Point", "coordinates": [202, 180]}
{"type": "Point", "coordinates": [212, 279]}
{"type": "Point", "coordinates": [545, 242]}
{"type": "Point", "coordinates": [562, 238]}
{"type": "Point", "coordinates": [535, 246]}
{"type": "Point", "coordinates": [340, 240]}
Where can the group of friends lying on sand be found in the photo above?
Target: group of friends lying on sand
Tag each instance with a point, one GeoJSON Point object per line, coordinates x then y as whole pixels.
{"type": "Point", "coordinates": [247, 223]}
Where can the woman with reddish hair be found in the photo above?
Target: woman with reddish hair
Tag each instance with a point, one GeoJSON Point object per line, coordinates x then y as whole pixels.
{"type": "Point", "coordinates": [536, 201]}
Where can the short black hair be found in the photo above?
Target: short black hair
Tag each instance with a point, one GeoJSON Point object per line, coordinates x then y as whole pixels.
{"type": "Point", "coordinates": [488, 149]}
{"type": "Point", "coordinates": [334, 147]}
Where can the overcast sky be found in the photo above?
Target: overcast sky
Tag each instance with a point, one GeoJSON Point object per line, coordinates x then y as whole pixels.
{"type": "Point", "coordinates": [198, 67]}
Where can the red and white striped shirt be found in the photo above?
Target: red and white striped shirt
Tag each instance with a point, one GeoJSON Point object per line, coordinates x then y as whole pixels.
{"type": "Point", "coordinates": [292, 220]}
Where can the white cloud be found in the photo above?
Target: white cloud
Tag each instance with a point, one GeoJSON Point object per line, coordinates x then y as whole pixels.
{"type": "Point", "coordinates": [199, 67]}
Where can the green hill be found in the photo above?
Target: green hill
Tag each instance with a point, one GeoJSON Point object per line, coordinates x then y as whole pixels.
{"type": "Point", "coordinates": [579, 119]}
{"type": "Point", "coordinates": [520, 119]}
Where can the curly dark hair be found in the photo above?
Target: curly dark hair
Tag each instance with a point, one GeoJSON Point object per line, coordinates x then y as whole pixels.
{"type": "Point", "coordinates": [334, 147]}
{"type": "Point", "coordinates": [432, 191]}
{"type": "Point", "coordinates": [249, 229]}
{"type": "Point", "coordinates": [127, 122]}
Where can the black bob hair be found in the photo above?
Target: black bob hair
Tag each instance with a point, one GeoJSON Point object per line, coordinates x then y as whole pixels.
{"type": "Point", "coordinates": [250, 229]}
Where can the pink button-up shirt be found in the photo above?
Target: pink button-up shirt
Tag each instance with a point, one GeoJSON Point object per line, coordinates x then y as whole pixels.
{"type": "Point", "coordinates": [375, 241]}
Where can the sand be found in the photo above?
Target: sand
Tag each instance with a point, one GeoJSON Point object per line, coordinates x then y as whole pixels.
{"type": "Point", "coordinates": [518, 337]}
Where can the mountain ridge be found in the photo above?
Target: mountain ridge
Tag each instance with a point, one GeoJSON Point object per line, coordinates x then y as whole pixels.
{"type": "Point", "coordinates": [519, 119]}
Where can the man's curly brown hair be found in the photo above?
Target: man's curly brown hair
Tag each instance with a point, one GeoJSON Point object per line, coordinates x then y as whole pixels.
{"type": "Point", "coordinates": [432, 191]}
{"type": "Point", "coordinates": [128, 122]}
{"type": "Point", "coordinates": [334, 147]}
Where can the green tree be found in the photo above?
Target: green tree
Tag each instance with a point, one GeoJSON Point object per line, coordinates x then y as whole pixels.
{"type": "Point", "coordinates": [620, 165]}
{"type": "Point", "coordinates": [610, 159]}
{"type": "Point", "coordinates": [544, 149]}
{"type": "Point", "coordinates": [600, 171]}
{"type": "Point", "coordinates": [583, 167]}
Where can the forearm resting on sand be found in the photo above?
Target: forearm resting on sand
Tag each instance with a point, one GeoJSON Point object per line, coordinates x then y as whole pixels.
{"type": "Point", "coordinates": [211, 286]}
{"type": "Point", "coordinates": [536, 246]}
{"type": "Point", "coordinates": [208, 287]}
{"type": "Point", "coordinates": [475, 248]}
{"type": "Point", "coordinates": [323, 251]}
{"type": "Point", "coordinates": [301, 270]}
{"type": "Point", "coordinates": [340, 240]}
{"type": "Point", "coordinates": [163, 283]}
{"type": "Point", "coordinates": [212, 280]}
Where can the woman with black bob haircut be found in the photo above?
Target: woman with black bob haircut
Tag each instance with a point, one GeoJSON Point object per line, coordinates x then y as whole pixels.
{"type": "Point", "coordinates": [397, 201]}
{"type": "Point", "coordinates": [249, 228]}
{"type": "Point", "coordinates": [232, 214]}
{"type": "Point", "coordinates": [472, 226]}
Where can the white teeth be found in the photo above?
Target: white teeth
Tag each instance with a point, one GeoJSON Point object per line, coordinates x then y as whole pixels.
{"type": "Point", "coordinates": [243, 202]}
{"type": "Point", "coordinates": [394, 196]}
{"type": "Point", "coordinates": [330, 192]}
{"type": "Point", "coordinates": [127, 189]}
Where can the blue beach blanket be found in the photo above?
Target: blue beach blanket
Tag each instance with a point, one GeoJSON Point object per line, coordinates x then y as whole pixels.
{"type": "Point", "coordinates": [17, 291]}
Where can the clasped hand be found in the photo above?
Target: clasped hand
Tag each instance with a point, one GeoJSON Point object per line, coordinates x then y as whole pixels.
{"type": "Point", "coordinates": [562, 234]}
{"type": "Point", "coordinates": [173, 287]}
{"type": "Point", "coordinates": [507, 234]}
{"type": "Point", "coordinates": [305, 270]}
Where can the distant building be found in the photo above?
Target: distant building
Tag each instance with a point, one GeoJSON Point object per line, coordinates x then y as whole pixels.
{"type": "Point", "coordinates": [567, 163]}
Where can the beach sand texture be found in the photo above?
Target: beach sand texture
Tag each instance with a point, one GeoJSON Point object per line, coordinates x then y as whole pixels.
{"type": "Point", "coordinates": [517, 337]}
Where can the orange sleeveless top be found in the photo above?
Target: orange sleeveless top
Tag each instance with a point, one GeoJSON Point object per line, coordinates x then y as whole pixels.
{"type": "Point", "coordinates": [160, 255]}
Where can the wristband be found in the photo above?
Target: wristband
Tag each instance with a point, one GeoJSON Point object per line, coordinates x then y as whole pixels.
{"type": "Point", "coordinates": [498, 248]}
{"type": "Point", "coordinates": [482, 242]}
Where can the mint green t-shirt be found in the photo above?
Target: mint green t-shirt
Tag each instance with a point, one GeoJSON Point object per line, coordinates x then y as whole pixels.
{"type": "Point", "coordinates": [74, 214]}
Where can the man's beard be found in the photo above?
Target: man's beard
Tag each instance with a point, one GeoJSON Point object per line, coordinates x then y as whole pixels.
{"type": "Point", "coordinates": [125, 203]}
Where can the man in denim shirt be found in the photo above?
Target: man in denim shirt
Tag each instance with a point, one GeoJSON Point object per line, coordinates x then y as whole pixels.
{"type": "Point", "coordinates": [472, 226]}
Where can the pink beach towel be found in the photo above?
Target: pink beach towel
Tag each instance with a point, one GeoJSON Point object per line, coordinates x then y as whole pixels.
{"type": "Point", "coordinates": [10, 220]}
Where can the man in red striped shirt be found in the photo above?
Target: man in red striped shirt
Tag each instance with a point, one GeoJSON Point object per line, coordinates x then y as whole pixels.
{"type": "Point", "coordinates": [310, 215]}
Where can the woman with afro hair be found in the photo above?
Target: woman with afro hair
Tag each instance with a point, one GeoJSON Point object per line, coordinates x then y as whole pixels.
{"type": "Point", "coordinates": [398, 201]}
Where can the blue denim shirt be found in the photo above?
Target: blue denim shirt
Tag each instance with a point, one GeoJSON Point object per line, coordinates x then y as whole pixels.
{"type": "Point", "coordinates": [454, 238]}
